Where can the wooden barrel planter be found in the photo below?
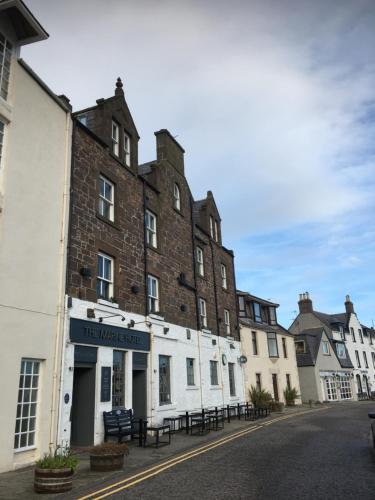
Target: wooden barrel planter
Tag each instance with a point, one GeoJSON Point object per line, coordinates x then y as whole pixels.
{"type": "Point", "coordinates": [106, 462]}
{"type": "Point", "coordinates": [53, 480]}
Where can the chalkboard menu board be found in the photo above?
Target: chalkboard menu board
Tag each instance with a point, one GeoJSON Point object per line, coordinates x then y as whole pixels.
{"type": "Point", "coordinates": [105, 390]}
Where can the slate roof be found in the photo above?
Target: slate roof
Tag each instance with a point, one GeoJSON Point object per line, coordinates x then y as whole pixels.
{"type": "Point", "coordinates": [312, 338]}
{"type": "Point", "coordinates": [264, 327]}
{"type": "Point", "coordinates": [331, 319]}
{"type": "Point", "coordinates": [257, 299]}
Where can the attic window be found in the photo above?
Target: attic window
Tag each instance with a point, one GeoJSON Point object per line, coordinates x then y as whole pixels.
{"type": "Point", "coordinates": [300, 347]}
{"type": "Point", "coordinates": [126, 149]}
{"type": "Point", "coordinates": [341, 351]}
{"type": "Point", "coordinates": [5, 57]}
{"type": "Point", "coordinates": [257, 312]}
{"type": "Point", "coordinates": [325, 347]}
{"type": "Point", "coordinates": [115, 138]}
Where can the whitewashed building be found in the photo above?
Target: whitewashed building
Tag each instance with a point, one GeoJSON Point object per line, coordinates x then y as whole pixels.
{"type": "Point", "coordinates": [35, 135]}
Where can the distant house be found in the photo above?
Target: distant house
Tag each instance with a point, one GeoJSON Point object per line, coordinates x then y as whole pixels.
{"type": "Point", "coordinates": [324, 367]}
{"type": "Point", "coordinates": [346, 330]}
{"type": "Point", "coordinates": [269, 348]}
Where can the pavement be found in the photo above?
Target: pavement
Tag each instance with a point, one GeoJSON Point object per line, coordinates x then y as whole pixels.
{"type": "Point", "coordinates": [323, 453]}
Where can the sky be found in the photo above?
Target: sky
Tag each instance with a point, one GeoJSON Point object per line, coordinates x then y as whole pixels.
{"type": "Point", "coordinates": [274, 104]}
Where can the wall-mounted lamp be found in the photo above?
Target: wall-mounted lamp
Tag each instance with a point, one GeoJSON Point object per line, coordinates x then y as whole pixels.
{"type": "Point", "coordinates": [112, 316]}
{"type": "Point", "coordinates": [132, 323]}
{"type": "Point", "coordinates": [135, 289]}
{"type": "Point", "coordinates": [91, 313]}
{"type": "Point", "coordinates": [165, 330]}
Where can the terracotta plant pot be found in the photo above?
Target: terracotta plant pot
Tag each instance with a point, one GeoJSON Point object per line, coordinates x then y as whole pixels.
{"type": "Point", "coordinates": [106, 462]}
{"type": "Point", "coordinates": [53, 480]}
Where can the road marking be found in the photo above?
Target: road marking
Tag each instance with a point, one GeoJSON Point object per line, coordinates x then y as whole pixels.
{"type": "Point", "coordinates": [157, 469]}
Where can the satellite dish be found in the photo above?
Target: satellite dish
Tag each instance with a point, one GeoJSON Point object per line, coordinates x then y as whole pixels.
{"type": "Point", "coordinates": [243, 360]}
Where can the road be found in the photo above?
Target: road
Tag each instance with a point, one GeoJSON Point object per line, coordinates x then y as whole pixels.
{"type": "Point", "coordinates": [320, 455]}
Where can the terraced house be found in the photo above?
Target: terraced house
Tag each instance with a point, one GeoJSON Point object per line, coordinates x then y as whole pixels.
{"type": "Point", "coordinates": [269, 348]}
{"type": "Point", "coordinates": [349, 339]}
{"type": "Point", "coordinates": [151, 303]}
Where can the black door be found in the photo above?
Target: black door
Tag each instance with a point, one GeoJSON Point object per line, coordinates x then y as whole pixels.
{"type": "Point", "coordinates": [83, 406]}
{"type": "Point", "coordinates": [139, 384]}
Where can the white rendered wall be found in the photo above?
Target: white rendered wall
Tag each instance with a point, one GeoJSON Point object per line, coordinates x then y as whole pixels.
{"type": "Point", "coordinates": [34, 185]}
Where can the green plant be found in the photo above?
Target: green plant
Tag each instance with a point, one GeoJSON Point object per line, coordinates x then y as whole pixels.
{"type": "Point", "coordinates": [61, 459]}
{"type": "Point", "coordinates": [276, 406]}
{"type": "Point", "coordinates": [259, 397]}
{"type": "Point", "coordinates": [109, 449]}
{"type": "Point", "coordinates": [290, 395]}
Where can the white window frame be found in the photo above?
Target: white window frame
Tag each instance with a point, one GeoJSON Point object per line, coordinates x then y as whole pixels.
{"type": "Point", "coordinates": [345, 388]}
{"type": "Point", "coordinates": [151, 229]}
{"type": "Point", "coordinates": [176, 197]}
{"type": "Point", "coordinates": [223, 272]}
{"type": "Point", "coordinates": [216, 230]}
{"type": "Point", "coordinates": [227, 321]}
{"type": "Point", "coordinates": [232, 379]}
{"type": "Point", "coordinates": [115, 138]}
{"type": "Point", "coordinates": [331, 389]}
{"type": "Point", "coordinates": [341, 351]}
{"type": "Point", "coordinates": [298, 343]}
{"type": "Point", "coordinates": [273, 347]}
{"type": "Point", "coordinates": [357, 359]}
{"type": "Point", "coordinates": [152, 294]}
{"type": "Point", "coordinates": [6, 50]}
{"type": "Point", "coordinates": [2, 136]}
{"type": "Point", "coordinates": [203, 312]}
{"type": "Point", "coordinates": [214, 375]}
{"type": "Point", "coordinates": [103, 278]}
{"type": "Point", "coordinates": [325, 348]}
{"type": "Point", "coordinates": [190, 372]}
{"type": "Point", "coordinates": [212, 226]}
{"type": "Point", "coordinates": [107, 202]}
{"type": "Point", "coordinates": [165, 398]}
{"type": "Point", "coordinates": [127, 148]}
{"type": "Point", "coordinates": [200, 261]}
{"type": "Point", "coordinates": [27, 405]}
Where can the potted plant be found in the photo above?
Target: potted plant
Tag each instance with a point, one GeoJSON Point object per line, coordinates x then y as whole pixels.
{"type": "Point", "coordinates": [290, 396]}
{"type": "Point", "coordinates": [54, 473]}
{"type": "Point", "coordinates": [276, 406]}
{"type": "Point", "coordinates": [108, 456]}
{"type": "Point", "coordinates": [259, 397]}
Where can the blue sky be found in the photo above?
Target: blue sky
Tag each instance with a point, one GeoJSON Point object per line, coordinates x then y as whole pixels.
{"type": "Point", "coordinates": [274, 103]}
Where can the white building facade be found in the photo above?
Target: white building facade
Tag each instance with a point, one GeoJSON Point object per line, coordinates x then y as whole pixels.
{"type": "Point", "coordinates": [35, 136]}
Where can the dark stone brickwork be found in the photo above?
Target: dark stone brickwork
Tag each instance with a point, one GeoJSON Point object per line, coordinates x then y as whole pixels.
{"type": "Point", "coordinates": [149, 186]}
{"type": "Point", "coordinates": [89, 233]}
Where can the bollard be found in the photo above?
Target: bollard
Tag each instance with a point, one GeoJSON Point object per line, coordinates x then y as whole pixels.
{"type": "Point", "coordinates": [310, 403]}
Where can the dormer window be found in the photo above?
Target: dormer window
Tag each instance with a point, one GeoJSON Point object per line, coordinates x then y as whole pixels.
{"type": "Point", "coordinates": [241, 305]}
{"type": "Point", "coordinates": [5, 58]}
{"type": "Point", "coordinates": [257, 312]}
{"type": "Point", "coordinates": [176, 197]}
{"type": "Point", "coordinates": [224, 283]}
{"type": "Point", "coordinates": [211, 226]}
{"type": "Point", "coordinates": [115, 138]}
{"type": "Point", "coordinates": [272, 312]}
{"type": "Point", "coordinates": [126, 149]}
{"type": "Point", "coordinates": [300, 347]}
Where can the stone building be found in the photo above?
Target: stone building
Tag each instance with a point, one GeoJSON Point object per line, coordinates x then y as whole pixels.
{"type": "Point", "coordinates": [269, 348]}
{"type": "Point", "coordinates": [151, 318]}
{"type": "Point", "coordinates": [35, 134]}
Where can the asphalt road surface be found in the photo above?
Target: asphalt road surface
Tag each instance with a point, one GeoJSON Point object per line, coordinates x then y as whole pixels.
{"type": "Point", "coordinates": [320, 455]}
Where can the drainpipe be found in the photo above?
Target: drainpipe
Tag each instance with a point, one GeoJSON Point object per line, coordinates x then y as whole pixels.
{"type": "Point", "coordinates": [145, 243]}
{"type": "Point", "coordinates": [196, 299]}
{"type": "Point", "coordinates": [60, 333]}
{"type": "Point", "coordinates": [217, 321]}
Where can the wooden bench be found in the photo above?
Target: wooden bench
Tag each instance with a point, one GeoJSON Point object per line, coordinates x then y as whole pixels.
{"type": "Point", "coordinates": [118, 423]}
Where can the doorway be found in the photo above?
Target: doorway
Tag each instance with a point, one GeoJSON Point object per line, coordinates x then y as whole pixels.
{"type": "Point", "coordinates": [275, 387]}
{"type": "Point", "coordinates": [83, 406]}
{"type": "Point", "coordinates": [139, 384]}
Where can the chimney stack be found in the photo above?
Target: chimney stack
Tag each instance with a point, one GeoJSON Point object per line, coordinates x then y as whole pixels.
{"type": "Point", "coordinates": [305, 303]}
{"type": "Point", "coordinates": [349, 307]}
{"type": "Point", "coordinates": [167, 148]}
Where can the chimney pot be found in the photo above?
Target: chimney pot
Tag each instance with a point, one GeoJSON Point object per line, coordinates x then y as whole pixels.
{"type": "Point", "coordinates": [305, 303]}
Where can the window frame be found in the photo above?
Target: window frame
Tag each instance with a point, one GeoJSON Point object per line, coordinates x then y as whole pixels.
{"type": "Point", "coordinates": [176, 197]}
{"type": "Point", "coordinates": [115, 137]}
{"type": "Point", "coordinates": [216, 231]}
{"type": "Point", "coordinates": [341, 355]}
{"type": "Point", "coordinates": [232, 379]}
{"type": "Point", "coordinates": [352, 332]}
{"type": "Point", "coordinates": [325, 343]}
{"type": "Point", "coordinates": [300, 342]}
{"type": "Point", "coordinates": [227, 321]}
{"type": "Point", "coordinates": [272, 315]}
{"type": "Point", "coordinates": [288, 381]}
{"type": "Point", "coordinates": [27, 404]}
{"type": "Point", "coordinates": [257, 317]}
{"type": "Point", "coordinates": [103, 201]}
{"type": "Point", "coordinates": [223, 274]}
{"type": "Point", "coordinates": [241, 306]}
{"type": "Point", "coordinates": [272, 340]}
{"type": "Point", "coordinates": [203, 312]}
{"type": "Point", "coordinates": [357, 359]}
{"type": "Point", "coordinates": [258, 381]}
{"type": "Point", "coordinates": [104, 279]}
{"type": "Point", "coordinates": [151, 229]}
{"type": "Point", "coordinates": [167, 399]}
{"type": "Point", "coordinates": [153, 301]}
{"type": "Point", "coordinates": [212, 227]}
{"type": "Point", "coordinates": [214, 377]}
{"type": "Point", "coordinates": [2, 140]}
{"type": "Point", "coordinates": [254, 343]}
{"type": "Point", "coordinates": [5, 66]}
{"type": "Point", "coordinates": [360, 335]}
{"type": "Point", "coordinates": [190, 369]}
{"type": "Point", "coordinates": [200, 260]}
{"type": "Point", "coordinates": [365, 359]}
{"type": "Point", "coordinates": [126, 146]}
{"type": "Point", "coordinates": [284, 346]}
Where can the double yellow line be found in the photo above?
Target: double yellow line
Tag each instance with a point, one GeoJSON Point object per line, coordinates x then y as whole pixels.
{"type": "Point", "coordinates": [157, 469]}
